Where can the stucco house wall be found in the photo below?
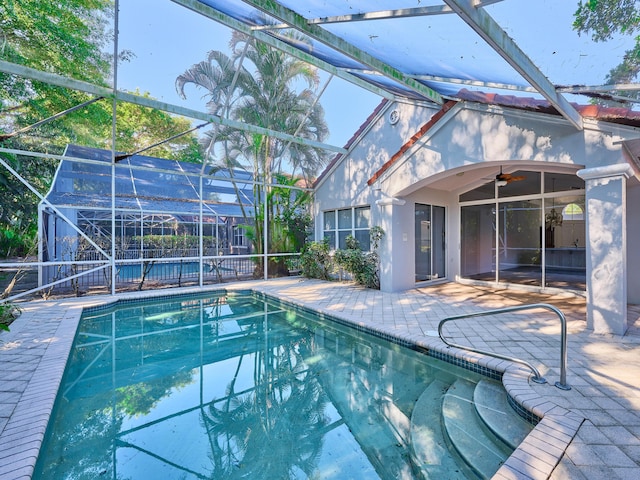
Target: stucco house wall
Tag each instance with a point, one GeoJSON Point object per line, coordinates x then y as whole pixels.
{"type": "Point", "coordinates": [344, 183]}
{"type": "Point", "coordinates": [428, 156]}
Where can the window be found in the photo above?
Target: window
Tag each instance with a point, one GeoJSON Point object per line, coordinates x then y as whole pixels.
{"type": "Point", "coordinates": [238, 236]}
{"type": "Point", "coordinates": [339, 224]}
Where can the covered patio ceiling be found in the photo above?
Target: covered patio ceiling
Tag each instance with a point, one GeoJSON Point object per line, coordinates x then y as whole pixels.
{"type": "Point", "coordinates": [435, 50]}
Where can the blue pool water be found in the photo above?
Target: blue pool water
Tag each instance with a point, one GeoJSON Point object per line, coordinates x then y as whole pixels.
{"type": "Point", "coordinates": [235, 386]}
{"type": "Point", "coordinates": [187, 270]}
{"type": "Point", "coordinates": [133, 271]}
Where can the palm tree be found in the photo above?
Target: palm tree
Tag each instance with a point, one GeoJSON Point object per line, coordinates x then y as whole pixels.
{"type": "Point", "coordinates": [269, 96]}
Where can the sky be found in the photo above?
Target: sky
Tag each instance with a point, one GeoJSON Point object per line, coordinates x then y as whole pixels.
{"type": "Point", "coordinates": [167, 39]}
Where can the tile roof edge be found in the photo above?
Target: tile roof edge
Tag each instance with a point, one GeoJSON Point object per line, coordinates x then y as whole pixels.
{"type": "Point", "coordinates": [620, 115]}
{"type": "Point", "coordinates": [351, 141]}
{"type": "Point", "coordinates": [414, 138]}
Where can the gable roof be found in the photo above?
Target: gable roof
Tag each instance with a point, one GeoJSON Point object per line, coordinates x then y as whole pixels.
{"type": "Point", "coordinates": [414, 138]}
{"type": "Point", "coordinates": [351, 141]}
{"type": "Point", "coordinates": [623, 116]}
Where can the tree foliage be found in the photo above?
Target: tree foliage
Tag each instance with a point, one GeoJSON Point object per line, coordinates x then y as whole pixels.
{"type": "Point", "coordinates": [67, 38]}
{"type": "Point", "coordinates": [71, 39]}
{"type": "Point", "coordinates": [602, 19]}
{"type": "Point", "coordinates": [257, 85]}
{"type": "Point", "coordinates": [262, 86]}
{"type": "Point", "coordinates": [140, 127]}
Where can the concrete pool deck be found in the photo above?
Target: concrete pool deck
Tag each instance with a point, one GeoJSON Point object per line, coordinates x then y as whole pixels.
{"type": "Point", "coordinates": [591, 431]}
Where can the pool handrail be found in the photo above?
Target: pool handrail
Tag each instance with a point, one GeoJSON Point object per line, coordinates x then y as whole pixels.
{"type": "Point", "coordinates": [562, 384]}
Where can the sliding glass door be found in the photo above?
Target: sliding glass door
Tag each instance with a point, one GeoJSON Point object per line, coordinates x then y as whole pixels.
{"type": "Point", "coordinates": [430, 242]}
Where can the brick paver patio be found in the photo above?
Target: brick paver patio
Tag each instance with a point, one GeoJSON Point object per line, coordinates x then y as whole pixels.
{"type": "Point", "coordinates": [591, 431]}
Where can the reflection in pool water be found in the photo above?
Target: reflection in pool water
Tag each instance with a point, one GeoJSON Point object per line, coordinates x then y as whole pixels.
{"type": "Point", "coordinates": [237, 386]}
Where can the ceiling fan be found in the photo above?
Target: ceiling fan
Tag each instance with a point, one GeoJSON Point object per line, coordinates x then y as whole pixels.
{"type": "Point", "coordinates": [503, 179]}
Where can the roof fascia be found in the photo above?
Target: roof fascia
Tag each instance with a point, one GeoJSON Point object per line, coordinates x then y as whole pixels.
{"type": "Point", "coordinates": [231, 22]}
{"type": "Point", "coordinates": [314, 31]}
{"type": "Point", "coordinates": [324, 176]}
{"type": "Point", "coordinates": [489, 30]}
{"type": "Point", "coordinates": [384, 173]}
{"type": "Point", "coordinates": [65, 82]}
{"type": "Point", "coordinates": [519, 113]}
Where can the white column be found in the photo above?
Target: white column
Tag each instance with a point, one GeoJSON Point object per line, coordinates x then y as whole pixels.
{"type": "Point", "coordinates": [606, 247]}
{"type": "Point", "coordinates": [396, 217]}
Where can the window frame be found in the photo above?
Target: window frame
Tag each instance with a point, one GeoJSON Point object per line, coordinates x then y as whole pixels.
{"type": "Point", "coordinates": [337, 233]}
{"type": "Point", "coordinates": [237, 232]}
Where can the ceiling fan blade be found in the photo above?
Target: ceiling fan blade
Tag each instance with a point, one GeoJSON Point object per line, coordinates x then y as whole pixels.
{"type": "Point", "coordinates": [507, 177]}
{"type": "Point", "coordinates": [515, 178]}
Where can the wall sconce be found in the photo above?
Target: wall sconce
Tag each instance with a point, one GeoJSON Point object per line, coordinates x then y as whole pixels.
{"type": "Point", "coordinates": [501, 183]}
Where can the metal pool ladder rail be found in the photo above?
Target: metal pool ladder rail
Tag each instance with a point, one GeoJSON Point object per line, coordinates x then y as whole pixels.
{"type": "Point", "coordinates": [562, 384]}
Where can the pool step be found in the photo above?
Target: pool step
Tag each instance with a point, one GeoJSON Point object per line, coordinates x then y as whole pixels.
{"type": "Point", "coordinates": [490, 399]}
{"type": "Point", "coordinates": [465, 429]}
{"type": "Point", "coordinates": [428, 446]}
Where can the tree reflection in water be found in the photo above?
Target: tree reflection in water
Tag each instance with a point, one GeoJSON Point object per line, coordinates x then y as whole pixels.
{"type": "Point", "coordinates": [275, 429]}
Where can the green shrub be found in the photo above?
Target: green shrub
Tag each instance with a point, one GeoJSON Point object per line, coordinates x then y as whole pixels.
{"type": "Point", "coordinates": [364, 266]}
{"type": "Point", "coordinates": [8, 313]}
{"type": "Point", "coordinates": [170, 242]}
{"type": "Point", "coordinates": [315, 261]}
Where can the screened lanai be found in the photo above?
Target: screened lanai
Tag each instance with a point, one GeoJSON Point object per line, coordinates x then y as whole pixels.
{"type": "Point", "coordinates": [500, 54]}
{"type": "Point", "coordinates": [158, 208]}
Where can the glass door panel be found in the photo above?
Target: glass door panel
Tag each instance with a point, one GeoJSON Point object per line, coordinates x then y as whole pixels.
{"type": "Point", "coordinates": [438, 242]}
{"type": "Point", "coordinates": [429, 242]}
{"type": "Point", "coordinates": [507, 245]}
{"type": "Point", "coordinates": [477, 245]}
{"type": "Point", "coordinates": [423, 242]}
{"type": "Point", "coordinates": [565, 259]}
{"type": "Point", "coordinates": [520, 242]}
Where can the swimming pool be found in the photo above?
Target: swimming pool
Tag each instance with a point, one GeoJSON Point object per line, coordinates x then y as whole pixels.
{"type": "Point", "coordinates": [243, 386]}
{"type": "Point", "coordinates": [186, 270]}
